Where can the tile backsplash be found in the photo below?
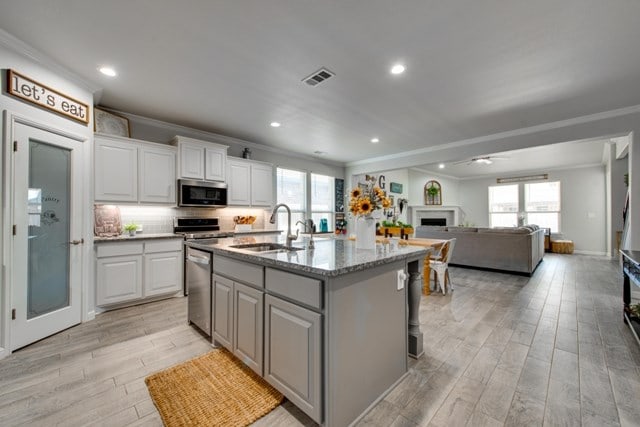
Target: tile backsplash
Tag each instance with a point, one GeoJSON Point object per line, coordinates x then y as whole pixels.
{"type": "Point", "coordinates": [159, 219]}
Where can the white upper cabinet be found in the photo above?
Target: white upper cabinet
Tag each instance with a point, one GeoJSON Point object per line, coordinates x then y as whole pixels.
{"type": "Point", "coordinates": [132, 171]}
{"type": "Point", "coordinates": [239, 190]}
{"type": "Point", "coordinates": [215, 163]}
{"type": "Point", "coordinates": [261, 184]}
{"type": "Point", "coordinates": [116, 170]}
{"type": "Point", "coordinates": [250, 183]}
{"type": "Point", "coordinates": [157, 175]}
{"type": "Point", "coordinates": [201, 160]}
{"type": "Point", "coordinates": [191, 161]}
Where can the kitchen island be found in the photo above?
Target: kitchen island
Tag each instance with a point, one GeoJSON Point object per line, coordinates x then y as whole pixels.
{"type": "Point", "coordinates": [329, 327]}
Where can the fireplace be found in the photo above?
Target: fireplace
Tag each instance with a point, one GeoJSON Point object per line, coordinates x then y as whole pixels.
{"type": "Point", "coordinates": [433, 221]}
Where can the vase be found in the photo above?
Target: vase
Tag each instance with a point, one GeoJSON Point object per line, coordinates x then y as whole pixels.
{"type": "Point", "coordinates": [366, 233]}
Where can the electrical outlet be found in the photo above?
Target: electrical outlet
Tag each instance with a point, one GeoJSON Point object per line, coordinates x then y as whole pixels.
{"type": "Point", "coordinates": [402, 276]}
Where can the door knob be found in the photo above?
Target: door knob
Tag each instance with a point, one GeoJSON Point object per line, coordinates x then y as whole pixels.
{"type": "Point", "coordinates": [77, 242]}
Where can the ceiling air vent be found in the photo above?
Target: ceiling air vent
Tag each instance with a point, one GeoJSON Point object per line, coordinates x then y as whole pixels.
{"type": "Point", "coordinates": [318, 77]}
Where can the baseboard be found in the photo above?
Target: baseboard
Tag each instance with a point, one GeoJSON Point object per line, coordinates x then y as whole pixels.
{"type": "Point", "coordinates": [594, 253]}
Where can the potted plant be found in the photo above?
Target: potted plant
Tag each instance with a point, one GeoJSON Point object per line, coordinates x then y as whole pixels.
{"type": "Point", "coordinates": [131, 229]}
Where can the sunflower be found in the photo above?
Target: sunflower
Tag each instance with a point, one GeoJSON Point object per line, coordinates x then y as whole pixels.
{"type": "Point", "coordinates": [386, 203]}
{"type": "Point", "coordinates": [355, 193]}
{"type": "Point", "coordinates": [365, 206]}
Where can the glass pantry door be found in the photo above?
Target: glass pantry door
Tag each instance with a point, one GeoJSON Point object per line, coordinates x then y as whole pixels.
{"type": "Point", "coordinates": [46, 244]}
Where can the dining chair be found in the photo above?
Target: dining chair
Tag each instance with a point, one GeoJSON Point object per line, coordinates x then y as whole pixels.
{"type": "Point", "coordinates": [440, 266]}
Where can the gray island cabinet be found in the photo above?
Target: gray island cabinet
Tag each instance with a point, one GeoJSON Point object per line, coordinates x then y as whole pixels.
{"type": "Point", "coordinates": [328, 327]}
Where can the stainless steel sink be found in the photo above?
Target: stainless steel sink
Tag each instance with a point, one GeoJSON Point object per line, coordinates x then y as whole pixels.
{"type": "Point", "coordinates": [265, 247]}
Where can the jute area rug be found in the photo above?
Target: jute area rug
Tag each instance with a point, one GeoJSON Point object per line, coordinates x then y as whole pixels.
{"type": "Point", "coordinates": [215, 389]}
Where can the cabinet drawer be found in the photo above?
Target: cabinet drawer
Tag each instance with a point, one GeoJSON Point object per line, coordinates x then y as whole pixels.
{"type": "Point", "coordinates": [163, 245]}
{"type": "Point", "coordinates": [118, 249]}
{"type": "Point", "coordinates": [298, 288]}
{"type": "Point", "coordinates": [238, 270]}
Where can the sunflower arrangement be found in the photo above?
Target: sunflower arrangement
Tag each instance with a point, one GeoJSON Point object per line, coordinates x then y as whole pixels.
{"type": "Point", "coordinates": [367, 198]}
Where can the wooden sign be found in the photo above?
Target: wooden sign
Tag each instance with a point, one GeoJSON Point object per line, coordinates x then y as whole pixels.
{"type": "Point", "coordinates": [25, 88]}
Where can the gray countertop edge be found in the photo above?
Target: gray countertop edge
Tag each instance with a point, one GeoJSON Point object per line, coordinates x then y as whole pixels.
{"type": "Point", "coordinates": [256, 231]}
{"type": "Point", "coordinates": [418, 254]}
{"type": "Point", "coordinates": [141, 236]}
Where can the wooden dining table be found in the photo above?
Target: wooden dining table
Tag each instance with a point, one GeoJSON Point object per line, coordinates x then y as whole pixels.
{"type": "Point", "coordinates": [434, 244]}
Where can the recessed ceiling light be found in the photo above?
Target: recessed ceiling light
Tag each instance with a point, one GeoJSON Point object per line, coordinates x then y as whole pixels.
{"type": "Point", "coordinates": [375, 140]}
{"type": "Point", "coordinates": [397, 69]}
{"type": "Point", "coordinates": [441, 165]}
{"type": "Point", "coordinates": [275, 124]}
{"type": "Point", "coordinates": [108, 71]}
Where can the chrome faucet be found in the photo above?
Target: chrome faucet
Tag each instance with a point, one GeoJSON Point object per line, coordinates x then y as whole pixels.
{"type": "Point", "coordinates": [309, 228]}
{"type": "Point", "coordinates": [272, 220]}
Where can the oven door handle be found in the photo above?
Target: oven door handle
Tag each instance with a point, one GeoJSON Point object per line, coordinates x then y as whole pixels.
{"type": "Point", "coordinates": [198, 260]}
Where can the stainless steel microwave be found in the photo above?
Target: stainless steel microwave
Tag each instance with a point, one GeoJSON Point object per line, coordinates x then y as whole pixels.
{"type": "Point", "coordinates": [202, 194]}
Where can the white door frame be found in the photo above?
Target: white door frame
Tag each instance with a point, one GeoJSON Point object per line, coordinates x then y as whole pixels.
{"type": "Point", "coordinates": [10, 119]}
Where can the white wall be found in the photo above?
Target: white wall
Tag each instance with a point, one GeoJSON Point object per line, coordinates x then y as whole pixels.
{"type": "Point", "coordinates": [583, 209]}
{"type": "Point", "coordinates": [616, 168]}
{"type": "Point", "coordinates": [417, 180]}
{"type": "Point", "coordinates": [56, 78]}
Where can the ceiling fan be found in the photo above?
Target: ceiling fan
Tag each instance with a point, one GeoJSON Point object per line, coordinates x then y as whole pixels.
{"type": "Point", "coordinates": [484, 160]}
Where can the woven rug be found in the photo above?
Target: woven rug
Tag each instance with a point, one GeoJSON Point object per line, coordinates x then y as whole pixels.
{"type": "Point", "coordinates": [215, 389]}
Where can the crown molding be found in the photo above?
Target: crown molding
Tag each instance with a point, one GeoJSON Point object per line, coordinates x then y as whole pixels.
{"type": "Point", "coordinates": [503, 135]}
{"type": "Point", "coordinates": [532, 171]}
{"type": "Point", "coordinates": [18, 46]}
{"type": "Point", "coordinates": [216, 137]}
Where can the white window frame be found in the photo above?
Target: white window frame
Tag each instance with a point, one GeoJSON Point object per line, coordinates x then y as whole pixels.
{"type": "Point", "coordinates": [491, 213]}
{"type": "Point", "coordinates": [307, 212]}
{"type": "Point", "coordinates": [558, 212]}
{"type": "Point", "coordinates": [330, 213]}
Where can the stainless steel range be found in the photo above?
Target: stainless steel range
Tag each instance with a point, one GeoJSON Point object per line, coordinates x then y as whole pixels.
{"type": "Point", "coordinates": [199, 228]}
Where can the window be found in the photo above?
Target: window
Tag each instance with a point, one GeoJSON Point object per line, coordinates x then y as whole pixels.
{"type": "Point", "coordinates": [542, 204]}
{"type": "Point", "coordinates": [308, 195]}
{"type": "Point", "coordinates": [503, 206]}
{"type": "Point", "coordinates": [291, 190]}
{"type": "Point", "coordinates": [322, 200]}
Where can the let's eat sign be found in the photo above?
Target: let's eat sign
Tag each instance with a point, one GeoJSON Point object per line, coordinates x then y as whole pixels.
{"type": "Point", "coordinates": [30, 90]}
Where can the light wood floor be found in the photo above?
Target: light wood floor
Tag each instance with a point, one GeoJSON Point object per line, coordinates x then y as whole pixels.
{"type": "Point", "coordinates": [500, 350]}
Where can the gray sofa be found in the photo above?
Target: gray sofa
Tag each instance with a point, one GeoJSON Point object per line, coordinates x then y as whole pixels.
{"type": "Point", "coordinates": [517, 249]}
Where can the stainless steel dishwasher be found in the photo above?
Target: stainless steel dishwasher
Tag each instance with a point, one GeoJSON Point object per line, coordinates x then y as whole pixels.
{"type": "Point", "coordinates": [198, 280]}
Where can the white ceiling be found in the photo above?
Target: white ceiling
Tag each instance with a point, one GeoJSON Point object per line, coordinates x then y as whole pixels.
{"type": "Point", "coordinates": [474, 68]}
{"type": "Point", "coordinates": [520, 162]}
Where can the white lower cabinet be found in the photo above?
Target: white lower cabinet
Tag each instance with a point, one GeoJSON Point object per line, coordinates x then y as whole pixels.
{"type": "Point", "coordinates": [131, 271]}
{"type": "Point", "coordinates": [222, 313]}
{"type": "Point", "coordinates": [248, 309]}
{"type": "Point", "coordinates": [237, 312]}
{"type": "Point", "coordinates": [119, 279]}
{"type": "Point", "coordinates": [279, 339]}
{"type": "Point", "coordinates": [292, 354]}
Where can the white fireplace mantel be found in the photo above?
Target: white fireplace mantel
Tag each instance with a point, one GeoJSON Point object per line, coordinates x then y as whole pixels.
{"type": "Point", "coordinates": [452, 213]}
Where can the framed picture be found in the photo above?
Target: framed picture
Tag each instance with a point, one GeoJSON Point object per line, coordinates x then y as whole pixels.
{"type": "Point", "coordinates": [110, 124]}
{"type": "Point", "coordinates": [394, 187]}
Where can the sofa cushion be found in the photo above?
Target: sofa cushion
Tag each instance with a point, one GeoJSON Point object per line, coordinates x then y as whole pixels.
{"type": "Point", "coordinates": [511, 230]}
{"type": "Point", "coordinates": [463, 229]}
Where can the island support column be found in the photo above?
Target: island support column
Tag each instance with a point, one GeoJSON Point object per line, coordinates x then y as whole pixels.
{"type": "Point", "coordinates": [415, 292]}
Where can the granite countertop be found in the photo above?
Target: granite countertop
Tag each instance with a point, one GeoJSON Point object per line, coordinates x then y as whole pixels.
{"type": "Point", "coordinates": [139, 236]}
{"type": "Point", "coordinates": [331, 256]}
